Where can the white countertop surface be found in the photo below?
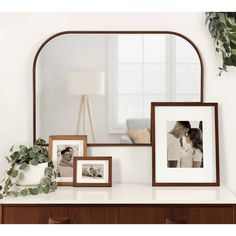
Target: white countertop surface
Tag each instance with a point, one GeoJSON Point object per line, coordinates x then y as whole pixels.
{"type": "Point", "coordinates": [129, 194]}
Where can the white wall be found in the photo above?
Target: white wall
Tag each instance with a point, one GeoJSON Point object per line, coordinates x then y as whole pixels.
{"type": "Point", "coordinates": [22, 34]}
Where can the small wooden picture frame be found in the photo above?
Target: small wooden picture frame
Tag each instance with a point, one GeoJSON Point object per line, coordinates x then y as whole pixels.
{"type": "Point", "coordinates": [93, 171]}
{"type": "Point", "coordinates": [62, 150]}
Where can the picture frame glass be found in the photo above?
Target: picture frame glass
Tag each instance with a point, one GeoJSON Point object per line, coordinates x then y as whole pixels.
{"type": "Point", "coordinates": [196, 158]}
{"type": "Point", "coordinates": [62, 150]}
{"type": "Point", "coordinates": [92, 171]}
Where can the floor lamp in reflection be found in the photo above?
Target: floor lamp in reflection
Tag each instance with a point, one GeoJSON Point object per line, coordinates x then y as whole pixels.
{"type": "Point", "coordinates": [85, 84]}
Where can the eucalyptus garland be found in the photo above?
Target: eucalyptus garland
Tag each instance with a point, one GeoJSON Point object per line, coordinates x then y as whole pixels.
{"type": "Point", "coordinates": [22, 157]}
{"type": "Point", "coordinates": [222, 27]}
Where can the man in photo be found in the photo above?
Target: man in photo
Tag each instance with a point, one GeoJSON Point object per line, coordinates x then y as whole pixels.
{"type": "Point", "coordinates": [174, 143]}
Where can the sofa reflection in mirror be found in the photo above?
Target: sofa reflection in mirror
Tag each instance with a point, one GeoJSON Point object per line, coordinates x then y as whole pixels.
{"type": "Point", "coordinates": [138, 131]}
{"type": "Point", "coordinates": [138, 68]}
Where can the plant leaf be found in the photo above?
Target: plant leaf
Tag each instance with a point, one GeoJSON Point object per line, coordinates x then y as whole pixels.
{"type": "Point", "coordinates": [23, 166]}
{"type": "Point", "coordinates": [32, 154]}
{"type": "Point", "coordinates": [42, 158]}
{"type": "Point", "coordinates": [46, 181]}
{"type": "Point", "coordinates": [1, 196]}
{"type": "Point", "coordinates": [46, 189]}
{"type": "Point", "coordinates": [10, 172]}
{"type": "Point", "coordinates": [15, 193]}
{"type": "Point", "coordinates": [15, 155]}
{"type": "Point", "coordinates": [33, 191]}
{"type": "Point", "coordinates": [11, 149]}
{"type": "Point", "coordinates": [231, 21]}
{"type": "Point", "coordinates": [40, 141]}
{"type": "Point", "coordinates": [34, 161]}
{"type": "Point", "coordinates": [49, 171]}
{"type": "Point", "coordinates": [24, 192]}
{"type": "Point", "coordinates": [23, 150]}
{"type": "Point", "coordinates": [53, 188]}
{"type": "Point", "coordinates": [15, 173]}
{"type": "Point", "coordinates": [36, 149]}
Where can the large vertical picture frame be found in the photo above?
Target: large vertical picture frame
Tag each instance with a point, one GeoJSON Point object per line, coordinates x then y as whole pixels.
{"type": "Point", "coordinates": [185, 144]}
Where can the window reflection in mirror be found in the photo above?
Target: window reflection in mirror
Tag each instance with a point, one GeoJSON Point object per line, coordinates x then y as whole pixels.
{"type": "Point", "coordinates": [137, 69]}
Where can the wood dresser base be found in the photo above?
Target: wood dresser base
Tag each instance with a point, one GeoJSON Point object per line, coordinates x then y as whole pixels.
{"type": "Point", "coordinates": [118, 213]}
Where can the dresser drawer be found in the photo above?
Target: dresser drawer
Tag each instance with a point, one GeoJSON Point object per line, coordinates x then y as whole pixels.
{"type": "Point", "coordinates": [189, 214]}
{"type": "Point", "coordinates": [76, 214]}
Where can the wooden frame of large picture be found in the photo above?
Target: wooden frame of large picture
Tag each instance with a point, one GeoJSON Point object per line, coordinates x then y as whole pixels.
{"type": "Point", "coordinates": [62, 150]}
{"type": "Point", "coordinates": [94, 171]}
{"type": "Point", "coordinates": [185, 146]}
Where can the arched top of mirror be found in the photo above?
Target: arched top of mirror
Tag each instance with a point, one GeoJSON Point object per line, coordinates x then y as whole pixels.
{"type": "Point", "coordinates": [121, 73]}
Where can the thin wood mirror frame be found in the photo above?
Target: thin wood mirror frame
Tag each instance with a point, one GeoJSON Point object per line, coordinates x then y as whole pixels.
{"type": "Point", "coordinates": [109, 32]}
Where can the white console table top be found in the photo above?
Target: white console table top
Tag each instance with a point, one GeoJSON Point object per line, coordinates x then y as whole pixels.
{"type": "Point", "coordinates": [130, 194]}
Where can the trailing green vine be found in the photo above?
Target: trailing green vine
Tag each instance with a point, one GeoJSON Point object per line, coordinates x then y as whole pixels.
{"type": "Point", "coordinates": [22, 157]}
{"type": "Point", "coordinates": [222, 27]}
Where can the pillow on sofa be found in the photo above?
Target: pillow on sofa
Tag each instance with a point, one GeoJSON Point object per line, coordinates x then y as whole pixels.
{"type": "Point", "coordinates": [139, 135]}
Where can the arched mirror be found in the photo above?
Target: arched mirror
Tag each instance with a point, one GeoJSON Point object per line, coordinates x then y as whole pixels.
{"type": "Point", "coordinates": [102, 83]}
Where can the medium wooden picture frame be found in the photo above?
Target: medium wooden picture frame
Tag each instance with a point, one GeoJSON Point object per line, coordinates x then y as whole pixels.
{"type": "Point", "coordinates": [92, 171]}
{"type": "Point", "coordinates": [185, 144]}
{"type": "Point", "coordinates": [62, 150]}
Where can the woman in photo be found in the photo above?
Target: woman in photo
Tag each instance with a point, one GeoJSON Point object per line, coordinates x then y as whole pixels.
{"type": "Point", "coordinates": [192, 155]}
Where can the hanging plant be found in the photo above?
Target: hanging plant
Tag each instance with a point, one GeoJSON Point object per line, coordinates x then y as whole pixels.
{"type": "Point", "coordinates": [222, 27]}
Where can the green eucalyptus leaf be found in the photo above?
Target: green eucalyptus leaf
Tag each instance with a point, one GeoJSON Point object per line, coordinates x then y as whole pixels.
{"type": "Point", "coordinates": [23, 166]}
{"type": "Point", "coordinates": [49, 171]}
{"type": "Point", "coordinates": [11, 149]}
{"type": "Point", "coordinates": [0, 187]}
{"type": "Point", "coordinates": [23, 150]}
{"type": "Point", "coordinates": [32, 154]}
{"type": "Point", "coordinates": [36, 149]}
{"type": "Point", "coordinates": [233, 51]}
{"type": "Point", "coordinates": [8, 182]}
{"type": "Point", "coordinates": [227, 47]}
{"type": "Point", "coordinates": [40, 141]}
{"type": "Point", "coordinates": [45, 151]}
{"type": "Point", "coordinates": [15, 173]}
{"type": "Point", "coordinates": [232, 36]}
{"type": "Point", "coordinates": [34, 161]}
{"type": "Point", "coordinates": [220, 26]}
{"type": "Point", "coordinates": [46, 181]}
{"type": "Point", "coordinates": [15, 155]}
{"type": "Point", "coordinates": [233, 59]}
{"type": "Point", "coordinates": [15, 193]}
{"type": "Point", "coordinates": [1, 196]}
{"type": "Point", "coordinates": [24, 192]}
{"type": "Point", "coordinates": [53, 188]}
{"type": "Point", "coordinates": [231, 22]}
{"type": "Point", "coordinates": [228, 61]}
{"type": "Point", "coordinates": [33, 191]}
{"type": "Point", "coordinates": [10, 172]}
{"type": "Point", "coordinates": [46, 189]}
{"type": "Point", "coordinates": [42, 158]}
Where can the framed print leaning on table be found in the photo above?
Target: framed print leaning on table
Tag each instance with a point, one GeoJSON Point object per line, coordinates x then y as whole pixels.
{"type": "Point", "coordinates": [185, 145]}
{"type": "Point", "coordinates": [92, 171]}
{"type": "Point", "coordinates": [62, 150]}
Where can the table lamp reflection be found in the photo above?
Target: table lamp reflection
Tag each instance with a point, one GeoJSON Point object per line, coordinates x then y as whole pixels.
{"type": "Point", "coordinates": [85, 84]}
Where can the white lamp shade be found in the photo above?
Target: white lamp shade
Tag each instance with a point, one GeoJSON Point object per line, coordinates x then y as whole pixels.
{"type": "Point", "coordinates": [85, 83]}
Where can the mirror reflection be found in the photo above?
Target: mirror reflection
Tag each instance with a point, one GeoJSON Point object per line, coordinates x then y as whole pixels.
{"type": "Point", "coordinates": [102, 84]}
